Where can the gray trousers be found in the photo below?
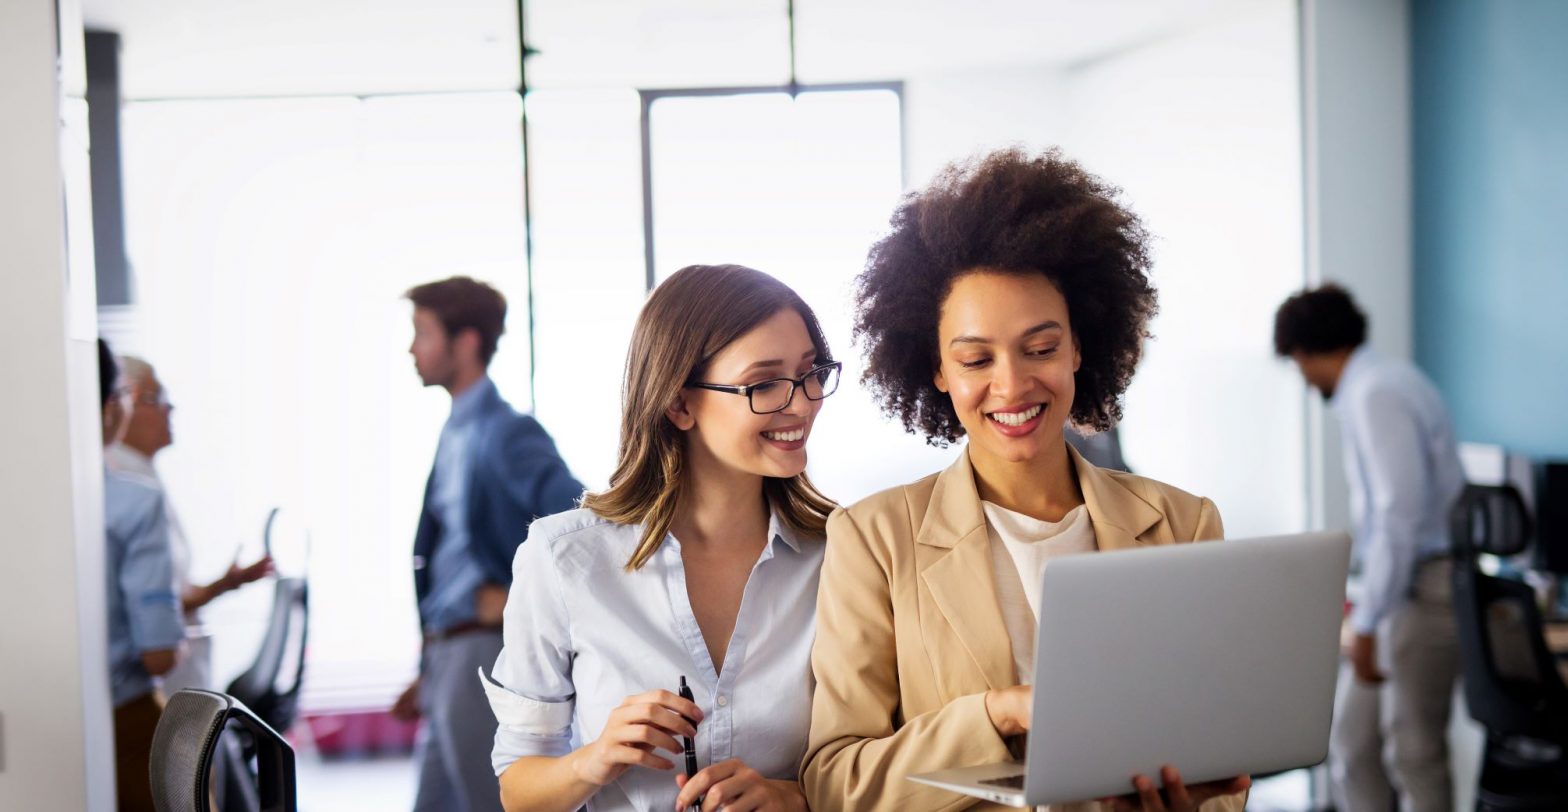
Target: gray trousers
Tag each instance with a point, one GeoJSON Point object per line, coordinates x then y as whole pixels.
{"type": "Point", "coordinates": [1392, 738]}
{"type": "Point", "coordinates": [458, 732]}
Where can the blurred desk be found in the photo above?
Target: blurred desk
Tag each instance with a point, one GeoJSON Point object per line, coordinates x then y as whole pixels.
{"type": "Point", "coordinates": [1557, 642]}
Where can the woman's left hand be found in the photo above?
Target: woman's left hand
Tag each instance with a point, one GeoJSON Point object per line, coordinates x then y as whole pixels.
{"type": "Point", "coordinates": [737, 788]}
{"type": "Point", "coordinates": [1176, 797]}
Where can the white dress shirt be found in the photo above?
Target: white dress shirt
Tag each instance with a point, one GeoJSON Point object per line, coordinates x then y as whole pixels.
{"type": "Point", "coordinates": [582, 634]}
{"type": "Point", "coordinates": [1402, 461]}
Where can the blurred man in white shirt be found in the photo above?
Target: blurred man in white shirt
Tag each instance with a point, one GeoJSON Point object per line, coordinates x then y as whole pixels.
{"type": "Point", "coordinates": [1402, 463]}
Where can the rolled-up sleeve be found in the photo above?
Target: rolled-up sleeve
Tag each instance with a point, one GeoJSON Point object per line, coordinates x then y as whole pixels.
{"type": "Point", "coordinates": [530, 689]}
{"type": "Point", "coordinates": [146, 578]}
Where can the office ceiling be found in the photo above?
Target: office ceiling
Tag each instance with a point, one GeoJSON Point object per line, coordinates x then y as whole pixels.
{"type": "Point", "coordinates": [204, 48]}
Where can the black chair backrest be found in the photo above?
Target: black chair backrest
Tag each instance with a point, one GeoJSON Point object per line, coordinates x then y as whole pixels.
{"type": "Point", "coordinates": [1489, 519]}
{"type": "Point", "coordinates": [186, 739]}
{"type": "Point", "coordinates": [270, 687]}
{"type": "Point", "coordinates": [1511, 682]}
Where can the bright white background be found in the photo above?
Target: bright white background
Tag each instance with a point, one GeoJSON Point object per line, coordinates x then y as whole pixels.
{"type": "Point", "coordinates": [272, 241]}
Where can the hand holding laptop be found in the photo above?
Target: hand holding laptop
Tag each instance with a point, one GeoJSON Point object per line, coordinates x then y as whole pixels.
{"type": "Point", "coordinates": [1009, 711]}
{"type": "Point", "coordinates": [1219, 657]}
{"type": "Point", "coordinates": [1176, 796]}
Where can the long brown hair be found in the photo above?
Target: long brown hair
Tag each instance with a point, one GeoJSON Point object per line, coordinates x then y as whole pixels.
{"type": "Point", "coordinates": [687, 321]}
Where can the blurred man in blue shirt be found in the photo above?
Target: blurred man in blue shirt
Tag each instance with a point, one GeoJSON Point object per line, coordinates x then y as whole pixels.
{"type": "Point", "coordinates": [1402, 464]}
{"type": "Point", "coordinates": [145, 627]}
{"type": "Point", "coordinates": [495, 472]}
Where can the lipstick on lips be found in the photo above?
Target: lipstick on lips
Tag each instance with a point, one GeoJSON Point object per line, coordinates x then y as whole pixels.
{"type": "Point", "coordinates": [1016, 421]}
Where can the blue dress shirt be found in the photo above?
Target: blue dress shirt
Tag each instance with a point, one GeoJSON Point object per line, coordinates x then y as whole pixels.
{"type": "Point", "coordinates": [1402, 462]}
{"type": "Point", "coordinates": [454, 574]}
{"type": "Point", "coordinates": [582, 634]}
{"type": "Point", "coordinates": [144, 612]}
{"type": "Point", "coordinates": [510, 474]}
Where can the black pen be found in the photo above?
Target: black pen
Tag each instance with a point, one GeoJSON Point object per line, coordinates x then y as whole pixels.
{"type": "Point", "coordinates": [690, 745]}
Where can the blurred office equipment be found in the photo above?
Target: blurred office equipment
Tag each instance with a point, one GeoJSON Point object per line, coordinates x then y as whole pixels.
{"type": "Point", "coordinates": [1511, 681]}
{"type": "Point", "coordinates": [270, 687]}
{"type": "Point", "coordinates": [1489, 464]}
{"type": "Point", "coordinates": [1551, 535]}
{"type": "Point", "coordinates": [189, 737]}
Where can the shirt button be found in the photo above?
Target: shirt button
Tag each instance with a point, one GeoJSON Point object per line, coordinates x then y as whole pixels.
{"type": "Point", "coordinates": [723, 701]}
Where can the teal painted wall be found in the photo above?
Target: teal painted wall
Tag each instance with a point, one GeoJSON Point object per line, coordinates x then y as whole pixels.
{"type": "Point", "coordinates": [1490, 126]}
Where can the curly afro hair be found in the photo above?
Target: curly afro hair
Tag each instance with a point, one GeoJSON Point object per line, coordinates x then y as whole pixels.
{"type": "Point", "coordinates": [1319, 320]}
{"type": "Point", "coordinates": [1012, 212]}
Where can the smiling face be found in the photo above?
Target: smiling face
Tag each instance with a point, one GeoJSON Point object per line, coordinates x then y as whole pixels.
{"type": "Point", "coordinates": [1007, 361]}
{"type": "Point", "coordinates": [721, 427]}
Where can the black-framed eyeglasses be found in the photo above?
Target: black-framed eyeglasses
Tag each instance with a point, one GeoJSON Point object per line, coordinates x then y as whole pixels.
{"type": "Point", "coordinates": [775, 394]}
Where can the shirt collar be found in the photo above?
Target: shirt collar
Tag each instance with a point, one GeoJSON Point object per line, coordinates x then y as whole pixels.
{"type": "Point", "coordinates": [1361, 358]}
{"type": "Point", "coordinates": [466, 407]}
{"type": "Point", "coordinates": [121, 457]}
{"type": "Point", "coordinates": [778, 531]}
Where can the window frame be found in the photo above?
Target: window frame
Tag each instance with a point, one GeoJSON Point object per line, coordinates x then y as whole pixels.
{"type": "Point", "coordinates": [649, 97]}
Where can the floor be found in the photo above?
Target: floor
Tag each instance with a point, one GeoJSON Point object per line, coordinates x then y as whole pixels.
{"type": "Point", "coordinates": [383, 784]}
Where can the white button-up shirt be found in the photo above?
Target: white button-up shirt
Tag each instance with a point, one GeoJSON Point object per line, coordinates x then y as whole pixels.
{"type": "Point", "coordinates": [582, 634]}
{"type": "Point", "coordinates": [1402, 461]}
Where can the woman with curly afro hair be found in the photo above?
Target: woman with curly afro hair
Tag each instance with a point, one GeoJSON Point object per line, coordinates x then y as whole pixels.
{"type": "Point", "coordinates": [1010, 297]}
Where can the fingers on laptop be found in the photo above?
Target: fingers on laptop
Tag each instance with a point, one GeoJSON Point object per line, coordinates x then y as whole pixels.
{"type": "Point", "coordinates": [1176, 796]}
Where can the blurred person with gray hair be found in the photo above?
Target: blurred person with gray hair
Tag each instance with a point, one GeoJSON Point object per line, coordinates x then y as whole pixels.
{"type": "Point", "coordinates": [148, 431]}
{"type": "Point", "coordinates": [144, 629]}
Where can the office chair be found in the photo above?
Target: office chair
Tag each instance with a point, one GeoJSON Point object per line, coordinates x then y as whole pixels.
{"type": "Point", "coordinates": [270, 687]}
{"type": "Point", "coordinates": [1511, 681]}
{"type": "Point", "coordinates": [186, 740]}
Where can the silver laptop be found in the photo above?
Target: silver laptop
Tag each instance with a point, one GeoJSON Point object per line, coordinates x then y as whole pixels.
{"type": "Point", "coordinates": [1218, 658]}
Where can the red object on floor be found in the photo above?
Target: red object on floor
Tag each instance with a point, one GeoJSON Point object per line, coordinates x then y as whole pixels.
{"type": "Point", "coordinates": [363, 733]}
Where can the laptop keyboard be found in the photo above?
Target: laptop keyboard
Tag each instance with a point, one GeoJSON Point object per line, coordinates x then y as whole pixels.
{"type": "Point", "coordinates": [1006, 781]}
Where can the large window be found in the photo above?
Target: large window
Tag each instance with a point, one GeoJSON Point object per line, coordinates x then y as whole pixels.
{"type": "Point", "coordinates": [797, 187]}
{"type": "Point", "coordinates": [272, 241]}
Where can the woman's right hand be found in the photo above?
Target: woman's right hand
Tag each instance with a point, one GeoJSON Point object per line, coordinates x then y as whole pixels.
{"type": "Point", "coordinates": [1009, 709]}
{"type": "Point", "coordinates": [643, 723]}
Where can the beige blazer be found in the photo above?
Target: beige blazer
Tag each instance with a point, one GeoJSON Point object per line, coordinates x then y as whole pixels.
{"type": "Point", "coordinates": [910, 636]}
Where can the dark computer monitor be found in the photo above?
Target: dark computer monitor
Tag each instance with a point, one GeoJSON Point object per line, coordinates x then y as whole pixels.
{"type": "Point", "coordinates": [1551, 538]}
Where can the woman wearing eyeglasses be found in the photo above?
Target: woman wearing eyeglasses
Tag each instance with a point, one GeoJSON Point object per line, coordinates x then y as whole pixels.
{"type": "Point", "coordinates": [700, 561]}
{"type": "Point", "coordinates": [1009, 298]}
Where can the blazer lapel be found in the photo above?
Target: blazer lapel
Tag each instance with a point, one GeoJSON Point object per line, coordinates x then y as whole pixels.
{"type": "Point", "coordinates": [1121, 519]}
{"type": "Point", "coordinates": [961, 582]}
